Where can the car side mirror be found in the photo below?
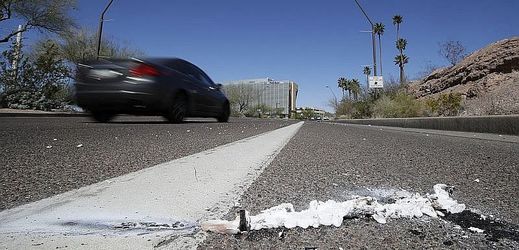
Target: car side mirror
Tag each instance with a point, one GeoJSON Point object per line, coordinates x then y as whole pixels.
{"type": "Point", "coordinates": [219, 86]}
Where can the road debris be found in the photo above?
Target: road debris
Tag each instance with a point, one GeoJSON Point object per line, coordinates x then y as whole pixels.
{"type": "Point", "coordinates": [79, 146]}
{"type": "Point", "coordinates": [476, 230]}
{"type": "Point", "coordinates": [404, 205]}
{"type": "Point", "coordinates": [48, 146]}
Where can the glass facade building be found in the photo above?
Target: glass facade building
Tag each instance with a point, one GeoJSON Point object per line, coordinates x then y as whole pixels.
{"type": "Point", "coordinates": [279, 96]}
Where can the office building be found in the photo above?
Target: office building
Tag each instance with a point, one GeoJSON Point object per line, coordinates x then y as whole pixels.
{"type": "Point", "coordinates": [279, 96]}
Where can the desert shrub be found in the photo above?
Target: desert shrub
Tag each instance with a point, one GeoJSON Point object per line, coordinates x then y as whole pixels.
{"type": "Point", "coordinates": [400, 105]}
{"type": "Point", "coordinates": [362, 109]}
{"type": "Point", "coordinates": [344, 109]}
{"type": "Point", "coordinates": [445, 104]}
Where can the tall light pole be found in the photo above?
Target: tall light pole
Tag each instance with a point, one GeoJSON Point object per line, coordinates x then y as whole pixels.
{"type": "Point", "coordinates": [100, 31]}
{"type": "Point", "coordinates": [372, 38]}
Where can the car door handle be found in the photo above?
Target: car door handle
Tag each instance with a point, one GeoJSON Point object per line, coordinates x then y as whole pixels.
{"type": "Point", "coordinates": [212, 88]}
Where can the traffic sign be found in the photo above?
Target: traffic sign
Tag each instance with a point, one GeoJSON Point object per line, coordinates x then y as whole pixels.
{"type": "Point", "coordinates": [376, 82]}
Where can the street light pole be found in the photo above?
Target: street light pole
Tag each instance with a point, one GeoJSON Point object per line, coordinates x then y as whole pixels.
{"type": "Point", "coordinates": [372, 39]}
{"type": "Point", "coordinates": [100, 31]}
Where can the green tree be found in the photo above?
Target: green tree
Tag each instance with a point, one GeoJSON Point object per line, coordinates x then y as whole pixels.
{"type": "Point", "coordinates": [80, 45]}
{"type": "Point", "coordinates": [397, 20]}
{"type": "Point", "coordinates": [355, 88]}
{"type": "Point", "coordinates": [401, 60]}
{"type": "Point", "coordinates": [401, 44]}
{"type": "Point", "coordinates": [379, 29]}
{"type": "Point", "coordinates": [44, 15]}
{"type": "Point", "coordinates": [15, 67]}
{"type": "Point", "coordinates": [240, 97]}
{"type": "Point", "coordinates": [39, 83]}
{"type": "Point", "coordinates": [307, 113]}
{"type": "Point", "coordinates": [342, 83]}
{"type": "Point", "coordinates": [53, 75]}
{"type": "Point", "coordinates": [367, 72]}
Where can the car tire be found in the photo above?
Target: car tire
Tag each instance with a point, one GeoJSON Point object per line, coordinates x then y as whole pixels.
{"type": "Point", "coordinates": [226, 112]}
{"type": "Point", "coordinates": [178, 109]}
{"type": "Point", "coordinates": [102, 117]}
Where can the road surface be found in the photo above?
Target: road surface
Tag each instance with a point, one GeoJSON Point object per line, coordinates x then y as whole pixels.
{"type": "Point", "coordinates": [321, 161]}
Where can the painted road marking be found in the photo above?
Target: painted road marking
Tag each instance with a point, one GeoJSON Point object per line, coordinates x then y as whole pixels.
{"type": "Point", "coordinates": [143, 209]}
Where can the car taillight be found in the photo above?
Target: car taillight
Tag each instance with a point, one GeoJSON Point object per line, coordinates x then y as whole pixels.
{"type": "Point", "coordinates": [144, 70]}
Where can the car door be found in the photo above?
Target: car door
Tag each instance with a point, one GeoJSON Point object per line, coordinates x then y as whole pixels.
{"type": "Point", "coordinates": [191, 83]}
{"type": "Point", "coordinates": [204, 91]}
{"type": "Point", "coordinates": [216, 96]}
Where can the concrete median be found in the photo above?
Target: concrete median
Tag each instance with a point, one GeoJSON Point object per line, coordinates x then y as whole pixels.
{"type": "Point", "coordinates": [480, 124]}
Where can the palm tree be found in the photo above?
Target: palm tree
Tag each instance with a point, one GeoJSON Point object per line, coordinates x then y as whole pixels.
{"type": "Point", "coordinates": [367, 72]}
{"type": "Point", "coordinates": [355, 88]}
{"type": "Point", "coordinates": [401, 44]}
{"type": "Point", "coordinates": [397, 20]}
{"type": "Point", "coordinates": [401, 60]}
{"type": "Point", "coordinates": [349, 87]}
{"type": "Point", "coordinates": [342, 83]}
{"type": "Point", "coordinates": [379, 29]}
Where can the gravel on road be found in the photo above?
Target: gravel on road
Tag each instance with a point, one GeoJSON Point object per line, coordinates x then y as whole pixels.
{"type": "Point", "coordinates": [41, 157]}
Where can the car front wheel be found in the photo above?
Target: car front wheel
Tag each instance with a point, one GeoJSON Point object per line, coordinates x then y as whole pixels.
{"type": "Point", "coordinates": [178, 110]}
{"type": "Point", "coordinates": [225, 113]}
{"type": "Point", "coordinates": [101, 116]}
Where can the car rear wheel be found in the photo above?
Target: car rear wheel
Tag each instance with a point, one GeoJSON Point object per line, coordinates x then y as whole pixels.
{"type": "Point", "coordinates": [224, 116]}
{"type": "Point", "coordinates": [101, 116]}
{"type": "Point", "coordinates": [178, 110]}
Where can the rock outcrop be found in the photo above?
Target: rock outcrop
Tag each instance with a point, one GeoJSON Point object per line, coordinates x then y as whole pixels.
{"type": "Point", "coordinates": [488, 79]}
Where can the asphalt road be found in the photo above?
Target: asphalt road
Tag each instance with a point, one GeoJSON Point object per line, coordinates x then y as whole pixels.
{"type": "Point", "coordinates": [322, 161]}
{"type": "Point", "coordinates": [30, 170]}
{"type": "Point", "coordinates": [330, 161]}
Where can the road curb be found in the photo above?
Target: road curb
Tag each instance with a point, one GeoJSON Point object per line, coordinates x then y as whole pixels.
{"type": "Point", "coordinates": [42, 114]}
{"type": "Point", "coordinates": [508, 125]}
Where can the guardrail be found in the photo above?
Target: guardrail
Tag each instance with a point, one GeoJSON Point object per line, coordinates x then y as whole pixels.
{"type": "Point", "coordinates": [499, 124]}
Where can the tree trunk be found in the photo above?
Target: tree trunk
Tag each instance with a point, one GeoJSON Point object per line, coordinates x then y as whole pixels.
{"type": "Point", "coordinates": [397, 31]}
{"type": "Point", "coordinates": [380, 55]}
{"type": "Point", "coordinates": [401, 74]}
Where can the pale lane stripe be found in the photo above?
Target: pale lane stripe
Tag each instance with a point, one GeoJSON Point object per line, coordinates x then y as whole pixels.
{"type": "Point", "coordinates": [180, 192]}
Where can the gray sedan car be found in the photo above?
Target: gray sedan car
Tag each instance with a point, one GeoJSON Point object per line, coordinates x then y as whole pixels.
{"type": "Point", "coordinates": [173, 88]}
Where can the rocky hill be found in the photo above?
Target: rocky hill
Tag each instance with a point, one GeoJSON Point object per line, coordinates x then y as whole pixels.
{"type": "Point", "coordinates": [488, 79]}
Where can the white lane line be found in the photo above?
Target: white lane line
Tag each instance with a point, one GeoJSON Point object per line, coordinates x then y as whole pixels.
{"type": "Point", "coordinates": [181, 192]}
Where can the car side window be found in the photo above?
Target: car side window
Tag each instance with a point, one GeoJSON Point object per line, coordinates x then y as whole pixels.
{"type": "Point", "coordinates": [183, 68]}
{"type": "Point", "coordinates": [206, 79]}
{"type": "Point", "coordinates": [198, 76]}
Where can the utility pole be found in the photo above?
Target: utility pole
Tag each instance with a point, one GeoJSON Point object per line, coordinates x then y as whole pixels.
{"type": "Point", "coordinates": [100, 31]}
{"type": "Point", "coordinates": [17, 48]}
{"type": "Point", "coordinates": [372, 39]}
{"type": "Point", "coordinates": [17, 52]}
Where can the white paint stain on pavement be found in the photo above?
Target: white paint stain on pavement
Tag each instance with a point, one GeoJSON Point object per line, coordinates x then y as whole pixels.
{"type": "Point", "coordinates": [142, 209]}
{"type": "Point", "coordinates": [405, 205]}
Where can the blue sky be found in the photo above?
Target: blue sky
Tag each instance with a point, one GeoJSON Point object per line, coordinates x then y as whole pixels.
{"type": "Point", "coordinates": [307, 41]}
